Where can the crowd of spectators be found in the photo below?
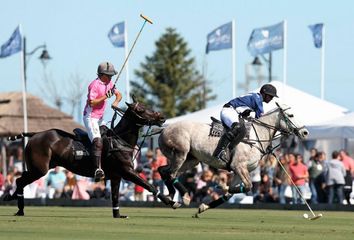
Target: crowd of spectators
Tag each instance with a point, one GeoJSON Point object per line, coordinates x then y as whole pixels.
{"type": "Point", "coordinates": [320, 179]}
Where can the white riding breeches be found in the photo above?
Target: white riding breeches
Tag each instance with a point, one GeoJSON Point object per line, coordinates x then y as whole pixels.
{"type": "Point", "coordinates": [229, 115]}
{"type": "Point", "coordinates": [93, 127]}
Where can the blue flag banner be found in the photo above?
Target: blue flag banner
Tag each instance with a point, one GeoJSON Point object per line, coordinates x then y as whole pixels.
{"type": "Point", "coordinates": [116, 35]}
{"type": "Point", "coordinates": [316, 30]}
{"type": "Point", "coordinates": [266, 39]}
{"type": "Point", "coordinates": [220, 38]}
{"type": "Point", "coordinates": [13, 45]}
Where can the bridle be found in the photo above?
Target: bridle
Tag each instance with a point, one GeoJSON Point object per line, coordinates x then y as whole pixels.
{"type": "Point", "coordinates": [292, 129]}
{"type": "Point", "coordinates": [139, 123]}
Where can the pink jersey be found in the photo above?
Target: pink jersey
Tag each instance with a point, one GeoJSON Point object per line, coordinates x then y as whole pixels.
{"type": "Point", "coordinates": [96, 89]}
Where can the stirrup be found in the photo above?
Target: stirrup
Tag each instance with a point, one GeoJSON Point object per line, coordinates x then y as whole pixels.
{"type": "Point", "coordinates": [99, 174]}
{"type": "Point", "coordinates": [222, 156]}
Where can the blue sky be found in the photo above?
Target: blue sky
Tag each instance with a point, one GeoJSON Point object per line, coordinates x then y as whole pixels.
{"type": "Point", "coordinates": [76, 36]}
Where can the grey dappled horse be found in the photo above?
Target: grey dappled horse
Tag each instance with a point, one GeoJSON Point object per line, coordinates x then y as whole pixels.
{"type": "Point", "coordinates": [185, 144]}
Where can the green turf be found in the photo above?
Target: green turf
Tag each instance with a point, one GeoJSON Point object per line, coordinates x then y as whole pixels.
{"type": "Point", "coordinates": [163, 223]}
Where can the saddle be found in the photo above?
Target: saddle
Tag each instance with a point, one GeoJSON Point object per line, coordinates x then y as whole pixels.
{"type": "Point", "coordinates": [82, 145]}
{"type": "Point", "coordinates": [217, 128]}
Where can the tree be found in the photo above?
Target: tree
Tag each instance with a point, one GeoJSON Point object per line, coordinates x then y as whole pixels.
{"type": "Point", "coordinates": [170, 81]}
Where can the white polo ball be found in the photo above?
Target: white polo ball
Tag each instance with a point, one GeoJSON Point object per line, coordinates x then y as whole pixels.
{"type": "Point", "coordinates": [306, 215]}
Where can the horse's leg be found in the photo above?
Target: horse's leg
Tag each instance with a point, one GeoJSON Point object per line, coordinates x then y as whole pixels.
{"type": "Point", "coordinates": [115, 183]}
{"type": "Point", "coordinates": [190, 163]}
{"type": "Point", "coordinates": [132, 176]}
{"type": "Point", "coordinates": [166, 177]}
{"type": "Point", "coordinates": [213, 204]}
{"type": "Point", "coordinates": [21, 182]}
{"type": "Point", "coordinates": [242, 182]}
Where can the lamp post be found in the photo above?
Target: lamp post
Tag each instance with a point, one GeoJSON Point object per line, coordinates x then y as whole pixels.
{"type": "Point", "coordinates": [254, 73]}
{"type": "Point", "coordinates": [268, 61]}
{"type": "Point", "coordinates": [44, 59]}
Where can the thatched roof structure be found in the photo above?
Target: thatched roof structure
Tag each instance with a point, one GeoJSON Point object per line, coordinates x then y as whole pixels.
{"type": "Point", "coordinates": [40, 116]}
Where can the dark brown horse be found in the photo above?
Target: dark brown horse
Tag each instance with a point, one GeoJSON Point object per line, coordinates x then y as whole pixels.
{"type": "Point", "coordinates": [51, 148]}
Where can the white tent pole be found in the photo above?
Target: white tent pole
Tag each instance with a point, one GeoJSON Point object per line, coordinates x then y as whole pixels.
{"type": "Point", "coordinates": [323, 63]}
{"type": "Point", "coordinates": [24, 95]}
{"type": "Point", "coordinates": [285, 53]}
{"type": "Point", "coordinates": [233, 60]}
{"type": "Point", "coordinates": [127, 82]}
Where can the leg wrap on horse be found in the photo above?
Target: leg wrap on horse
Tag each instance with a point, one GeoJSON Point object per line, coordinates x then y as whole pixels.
{"type": "Point", "coordinates": [179, 186]}
{"type": "Point", "coordinates": [165, 175]}
{"type": "Point", "coordinates": [97, 146]}
{"type": "Point", "coordinates": [220, 201]}
{"type": "Point", "coordinates": [239, 188]}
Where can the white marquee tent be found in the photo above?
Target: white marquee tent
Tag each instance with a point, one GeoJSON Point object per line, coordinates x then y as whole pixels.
{"type": "Point", "coordinates": [310, 110]}
{"type": "Point", "coordinates": [342, 127]}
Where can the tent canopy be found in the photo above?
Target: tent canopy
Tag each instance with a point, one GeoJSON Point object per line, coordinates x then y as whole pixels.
{"type": "Point", "coordinates": [342, 127]}
{"type": "Point", "coordinates": [308, 109]}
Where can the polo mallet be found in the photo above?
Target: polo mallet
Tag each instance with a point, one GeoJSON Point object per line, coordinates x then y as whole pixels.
{"type": "Point", "coordinates": [305, 215]}
{"type": "Point", "coordinates": [130, 51]}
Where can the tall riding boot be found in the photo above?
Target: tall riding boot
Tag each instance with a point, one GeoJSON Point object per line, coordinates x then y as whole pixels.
{"type": "Point", "coordinates": [238, 131]}
{"type": "Point", "coordinates": [230, 139]}
{"type": "Point", "coordinates": [220, 150]}
{"type": "Point", "coordinates": [97, 146]}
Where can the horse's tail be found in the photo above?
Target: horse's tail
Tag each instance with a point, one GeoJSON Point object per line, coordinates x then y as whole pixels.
{"type": "Point", "coordinates": [20, 136]}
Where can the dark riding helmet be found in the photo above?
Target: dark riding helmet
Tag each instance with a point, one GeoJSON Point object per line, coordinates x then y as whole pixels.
{"type": "Point", "coordinates": [106, 68]}
{"type": "Point", "coordinates": [269, 90]}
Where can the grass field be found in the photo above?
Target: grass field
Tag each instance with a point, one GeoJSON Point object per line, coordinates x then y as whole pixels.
{"type": "Point", "coordinates": [163, 223]}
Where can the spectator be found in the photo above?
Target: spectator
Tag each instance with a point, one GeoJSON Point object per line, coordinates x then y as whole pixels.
{"type": "Point", "coordinates": [2, 184]}
{"type": "Point", "coordinates": [80, 189]}
{"type": "Point", "coordinates": [313, 153]}
{"type": "Point", "coordinates": [335, 178]}
{"type": "Point", "coordinates": [146, 165]}
{"type": "Point", "coordinates": [315, 169]}
{"type": "Point", "coordinates": [69, 185]}
{"type": "Point", "coordinates": [139, 190]}
{"type": "Point", "coordinates": [55, 181]}
{"type": "Point", "coordinates": [281, 178]}
{"type": "Point", "coordinates": [320, 181]}
{"type": "Point", "coordinates": [267, 193]}
{"type": "Point", "coordinates": [299, 175]}
{"type": "Point", "coordinates": [205, 188]}
{"type": "Point", "coordinates": [159, 160]}
{"type": "Point", "coordinates": [348, 163]}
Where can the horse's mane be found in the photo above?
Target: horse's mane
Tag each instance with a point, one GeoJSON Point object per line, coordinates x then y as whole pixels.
{"type": "Point", "coordinates": [64, 133]}
{"type": "Point", "coordinates": [280, 106]}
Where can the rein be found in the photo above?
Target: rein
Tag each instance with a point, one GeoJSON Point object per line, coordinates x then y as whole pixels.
{"type": "Point", "coordinates": [269, 150]}
{"type": "Point", "coordinates": [118, 111]}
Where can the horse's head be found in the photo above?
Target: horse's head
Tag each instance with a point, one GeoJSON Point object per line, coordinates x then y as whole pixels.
{"type": "Point", "coordinates": [288, 124]}
{"type": "Point", "coordinates": [142, 115]}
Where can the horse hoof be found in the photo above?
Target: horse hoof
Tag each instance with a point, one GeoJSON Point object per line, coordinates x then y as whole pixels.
{"type": "Point", "coordinates": [19, 213]}
{"type": "Point", "coordinates": [176, 205]}
{"type": "Point", "coordinates": [186, 199]}
{"type": "Point", "coordinates": [195, 215]}
{"type": "Point", "coordinates": [203, 207]}
{"type": "Point", "coordinates": [120, 216]}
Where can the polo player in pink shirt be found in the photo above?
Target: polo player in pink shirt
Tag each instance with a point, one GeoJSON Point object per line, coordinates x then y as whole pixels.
{"type": "Point", "coordinates": [99, 90]}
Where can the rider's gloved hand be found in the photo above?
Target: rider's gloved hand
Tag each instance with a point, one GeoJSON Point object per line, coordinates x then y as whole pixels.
{"type": "Point", "coordinates": [110, 92]}
{"type": "Point", "coordinates": [246, 113]}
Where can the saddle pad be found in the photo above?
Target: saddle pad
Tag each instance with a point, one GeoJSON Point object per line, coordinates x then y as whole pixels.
{"type": "Point", "coordinates": [79, 150]}
{"type": "Point", "coordinates": [217, 128]}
